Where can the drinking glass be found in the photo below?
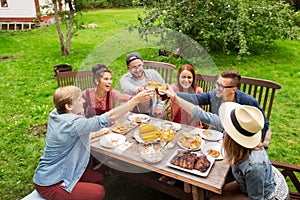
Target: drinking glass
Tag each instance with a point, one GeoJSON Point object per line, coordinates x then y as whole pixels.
{"type": "Point", "coordinates": [167, 135]}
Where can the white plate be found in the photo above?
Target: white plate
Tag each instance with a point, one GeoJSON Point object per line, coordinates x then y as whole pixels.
{"type": "Point", "coordinates": [176, 126]}
{"type": "Point", "coordinates": [112, 140]}
{"type": "Point", "coordinates": [215, 146]}
{"type": "Point", "coordinates": [179, 143]}
{"type": "Point", "coordinates": [213, 135]}
{"type": "Point", "coordinates": [144, 118]}
{"type": "Point", "coordinates": [136, 135]}
{"type": "Point", "coordinates": [193, 171]}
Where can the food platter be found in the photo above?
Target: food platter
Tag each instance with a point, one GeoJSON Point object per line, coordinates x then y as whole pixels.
{"type": "Point", "coordinates": [214, 149]}
{"type": "Point", "coordinates": [192, 171]}
{"type": "Point", "coordinates": [212, 135]}
{"type": "Point", "coordinates": [189, 141]}
{"type": "Point", "coordinates": [139, 118]}
{"type": "Point", "coordinates": [124, 127]}
{"type": "Point", "coordinates": [112, 140]}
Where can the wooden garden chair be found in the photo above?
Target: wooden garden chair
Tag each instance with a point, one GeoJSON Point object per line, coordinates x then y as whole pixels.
{"type": "Point", "coordinates": [81, 79]}
{"type": "Point", "coordinates": [289, 171]}
{"type": "Point", "coordinates": [164, 69]}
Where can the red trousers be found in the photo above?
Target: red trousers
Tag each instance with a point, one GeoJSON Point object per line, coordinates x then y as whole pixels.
{"type": "Point", "coordinates": [89, 187]}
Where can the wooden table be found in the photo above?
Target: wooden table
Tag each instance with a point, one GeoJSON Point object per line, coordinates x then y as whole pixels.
{"type": "Point", "coordinates": [213, 182]}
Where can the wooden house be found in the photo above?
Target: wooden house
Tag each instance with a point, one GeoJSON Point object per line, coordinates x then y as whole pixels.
{"type": "Point", "coordinates": [24, 14]}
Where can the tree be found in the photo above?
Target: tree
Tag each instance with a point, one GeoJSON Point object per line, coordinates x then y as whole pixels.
{"type": "Point", "coordinates": [65, 47]}
{"type": "Point", "coordinates": [229, 25]}
{"type": "Point", "coordinates": [67, 17]}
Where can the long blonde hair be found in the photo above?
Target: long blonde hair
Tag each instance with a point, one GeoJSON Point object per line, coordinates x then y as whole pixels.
{"type": "Point", "coordinates": [65, 95]}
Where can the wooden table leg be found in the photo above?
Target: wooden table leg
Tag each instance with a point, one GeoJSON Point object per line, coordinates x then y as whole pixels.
{"type": "Point", "coordinates": [198, 193]}
{"type": "Point", "coordinates": [187, 187]}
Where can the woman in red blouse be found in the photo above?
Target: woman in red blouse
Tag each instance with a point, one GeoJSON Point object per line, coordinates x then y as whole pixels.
{"type": "Point", "coordinates": [186, 82]}
{"type": "Point", "coordinates": [102, 98]}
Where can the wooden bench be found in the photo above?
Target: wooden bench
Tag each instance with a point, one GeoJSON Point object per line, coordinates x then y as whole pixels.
{"type": "Point", "coordinates": [262, 90]}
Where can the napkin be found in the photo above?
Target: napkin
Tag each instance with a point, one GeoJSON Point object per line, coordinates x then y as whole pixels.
{"type": "Point", "coordinates": [121, 148]}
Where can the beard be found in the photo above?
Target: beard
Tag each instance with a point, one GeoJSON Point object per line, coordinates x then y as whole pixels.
{"type": "Point", "coordinates": [138, 75]}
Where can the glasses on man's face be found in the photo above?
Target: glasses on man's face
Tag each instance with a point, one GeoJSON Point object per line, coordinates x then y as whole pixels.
{"type": "Point", "coordinates": [135, 68]}
{"type": "Point", "coordinates": [221, 87]}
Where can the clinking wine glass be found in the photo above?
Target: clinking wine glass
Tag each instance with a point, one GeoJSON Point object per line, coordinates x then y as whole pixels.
{"type": "Point", "coordinates": [161, 89]}
{"type": "Point", "coordinates": [153, 84]}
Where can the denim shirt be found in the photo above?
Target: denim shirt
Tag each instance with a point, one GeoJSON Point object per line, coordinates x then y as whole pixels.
{"type": "Point", "coordinates": [210, 98]}
{"type": "Point", "coordinates": [67, 148]}
{"type": "Point", "coordinates": [255, 176]}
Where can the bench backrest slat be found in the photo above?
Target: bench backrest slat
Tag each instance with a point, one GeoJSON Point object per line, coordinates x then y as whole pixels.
{"type": "Point", "coordinates": [81, 79]}
{"type": "Point", "coordinates": [164, 69]}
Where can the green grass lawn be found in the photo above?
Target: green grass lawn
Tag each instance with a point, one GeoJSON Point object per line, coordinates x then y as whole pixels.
{"type": "Point", "coordinates": [27, 84]}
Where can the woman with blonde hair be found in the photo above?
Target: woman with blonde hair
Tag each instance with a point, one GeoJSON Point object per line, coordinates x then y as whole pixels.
{"type": "Point", "coordinates": [62, 172]}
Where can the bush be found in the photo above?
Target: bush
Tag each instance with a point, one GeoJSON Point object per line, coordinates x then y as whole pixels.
{"type": "Point", "coordinates": [112, 3]}
{"type": "Point", "coordinates": [230, 25]}
{"type": "Point", "coordinates": [100, 4]}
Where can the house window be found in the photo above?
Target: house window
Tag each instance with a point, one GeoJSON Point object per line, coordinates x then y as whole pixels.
{"type": "Point", "coordinates": [4, 3]}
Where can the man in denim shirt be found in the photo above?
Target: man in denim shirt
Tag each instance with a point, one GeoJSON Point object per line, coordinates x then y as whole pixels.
{"type": "Point", "coordinates": [226, 90]}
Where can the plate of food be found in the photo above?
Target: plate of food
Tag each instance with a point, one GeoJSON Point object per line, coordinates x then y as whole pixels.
{"type": "Point", "coordinates": [190, 141]}
{"type": "Point", "coordinates": [147, 133]}
{"type": "Point", "coordinates": [214, 149]}
{"type": "Point", "coordinates": [192, 162]}
{"type": "Point", "coordinates": [95, 136]}
{"type": "Point", "coordinates": [112, 140]}
{"type": "Point", "coordinates": [212, 135]}
{"type": "Point", "coordinates": [124, 127]}
{"type": "Point", "coordinates": [175, 126]}
{"type": "Point", "coordinates": [139, 118]}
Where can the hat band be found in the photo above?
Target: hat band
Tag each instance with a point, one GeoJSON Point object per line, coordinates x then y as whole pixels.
{"type": "Point", "coordinates": [238, 126]}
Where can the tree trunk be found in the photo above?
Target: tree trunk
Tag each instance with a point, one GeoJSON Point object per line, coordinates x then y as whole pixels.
{"type": "Point", "coordinates": [69, 28]}
{"type": "Point", "coordinates": [64, 51]}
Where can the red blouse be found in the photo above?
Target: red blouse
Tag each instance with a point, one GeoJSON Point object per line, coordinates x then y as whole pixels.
{"type": "Point", "coordinates": [97, 106]}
